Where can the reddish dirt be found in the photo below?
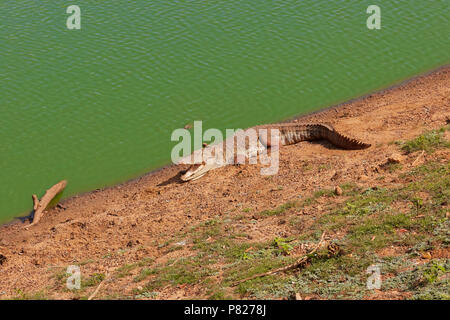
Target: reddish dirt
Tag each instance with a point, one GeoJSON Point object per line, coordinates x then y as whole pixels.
{"type": "Point", "coordinates": [136, 217]}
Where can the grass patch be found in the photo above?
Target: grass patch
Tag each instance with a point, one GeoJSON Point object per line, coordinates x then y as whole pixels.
{"type": "Point", "coordinates": [280, 210]}
{"type": "Point", "coordinates": [22, 295]}
{"type": "Point", "coordinates": [324, 192]}
{"type": "Point", "coordinates": [93, 280]}
{"type": "Point", "coordinates": [144, 274]}
{"type": "Point", "coordinates": [184, 271]}
{"type": "Point", "coordinates": [125, 270]}
{"type": "Point", "coordinates": [429, 141]}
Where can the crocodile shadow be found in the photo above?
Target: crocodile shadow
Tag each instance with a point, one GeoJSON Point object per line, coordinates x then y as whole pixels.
{"type": "Point", "coordinates": [175, 179]}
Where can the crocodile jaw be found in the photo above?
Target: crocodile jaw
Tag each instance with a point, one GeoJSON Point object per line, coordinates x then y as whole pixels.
{"type": "Point", "coordinates": [197, 171]}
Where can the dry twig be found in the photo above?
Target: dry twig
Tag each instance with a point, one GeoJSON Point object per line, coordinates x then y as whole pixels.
{"type": "Point", "coordinates": [418, 157]}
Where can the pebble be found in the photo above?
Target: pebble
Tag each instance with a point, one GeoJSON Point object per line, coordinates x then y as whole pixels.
{"type": "Point", "coordinates": [363, 178]}
{"type": "Point", "coordinates": [2, 259]}
{"type": "Point", "coordinates": [426, 255]}
{"type": "Point", "coordinates": [395, 158]}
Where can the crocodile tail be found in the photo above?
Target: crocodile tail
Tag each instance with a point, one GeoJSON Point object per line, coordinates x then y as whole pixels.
{"type": "Point", "coordinates": [341, 141]}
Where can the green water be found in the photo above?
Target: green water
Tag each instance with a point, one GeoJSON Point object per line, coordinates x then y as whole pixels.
{"type": "Point", "coordinates": [97, 106]}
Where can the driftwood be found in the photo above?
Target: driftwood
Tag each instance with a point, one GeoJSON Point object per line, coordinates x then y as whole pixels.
{"type": "Point", "coordinates": [39, 206]}
{"type": "Point", "coordinates": [299, 263]}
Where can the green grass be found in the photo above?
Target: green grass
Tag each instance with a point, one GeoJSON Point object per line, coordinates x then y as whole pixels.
{"type": "Point", "coordinates": [144, 274]}
{"type": "Point", "coordinates": [93, 280]}
{"type": "Point", "coordinates": [324, 192]}
{"type": "Point", "coordinates": [184, 271]}
{"type": "Point", "coordinates": [429, 141]}
{"type": "Point", "coordinates": [280, 210]}
{"type": "Point", "coordinates": [125, 270]}
{"type": "Point", "coordinates": [39, 295]}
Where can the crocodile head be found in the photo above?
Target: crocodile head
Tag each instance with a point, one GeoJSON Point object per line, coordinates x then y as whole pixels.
{"type": "Point", "coordinates": [196, 171]}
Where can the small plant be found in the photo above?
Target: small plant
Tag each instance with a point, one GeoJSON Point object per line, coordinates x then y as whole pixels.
{"type": "Point", "coordinates": [432, 273]}
{"type": "Point", "coordinates": [245, 256]}
{"type": "Point", "coordinates": [282, 245]}
{"type": "Point", "coordinates": [417, 202]}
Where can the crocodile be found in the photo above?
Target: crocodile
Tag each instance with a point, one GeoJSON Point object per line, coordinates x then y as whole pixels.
{"type": "Point", "coordinates": [286, 134]}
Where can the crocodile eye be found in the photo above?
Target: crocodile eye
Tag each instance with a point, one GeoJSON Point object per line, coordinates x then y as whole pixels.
{"type": "Point", "coordinates": [195, 166]}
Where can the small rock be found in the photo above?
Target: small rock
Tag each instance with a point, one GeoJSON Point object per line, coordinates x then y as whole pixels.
{"type": "Point", "coordinates": [2, 259]}
{"type": "Point", "coordinates": [426, 255]}
{"type": "Point", "coordinates": [363, 178]}
{"type": "Point", "coordinates": [395, 158]}
{"type": "Point", "coordinates": [298, 296]}
{"type": "Point", "coordinates": [332, 174]}
{"type": "Point", "coordinates": [338, 191]}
